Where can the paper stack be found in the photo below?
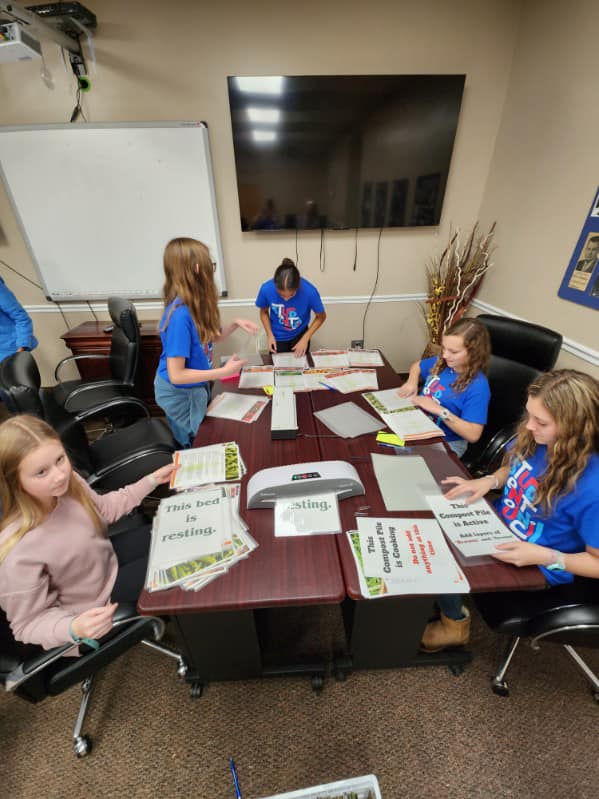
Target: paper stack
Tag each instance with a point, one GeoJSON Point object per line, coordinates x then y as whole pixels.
{"type": "Point", "coordinates": [196, 537]}
{"type": "Point", "coordinates": [203, 465]}
{"type": "Point", "coordinates": [404, 556]}
{"type": "Point", "coordinates": [401, 415]}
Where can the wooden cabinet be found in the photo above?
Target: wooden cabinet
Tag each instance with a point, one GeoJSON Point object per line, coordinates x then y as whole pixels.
{"type": "Point", "coordinates": [89, 338]}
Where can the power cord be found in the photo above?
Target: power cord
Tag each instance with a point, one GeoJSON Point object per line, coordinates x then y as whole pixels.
{"type": "Point", "coordinates": [378, 267]}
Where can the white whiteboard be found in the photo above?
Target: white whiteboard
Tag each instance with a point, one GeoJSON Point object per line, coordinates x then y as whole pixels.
{"type": "Point", "coordinates": [98, 203]}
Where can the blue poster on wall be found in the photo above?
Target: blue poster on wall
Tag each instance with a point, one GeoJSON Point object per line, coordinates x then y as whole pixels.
{"type": "Point", "coordinates": [581, 281]}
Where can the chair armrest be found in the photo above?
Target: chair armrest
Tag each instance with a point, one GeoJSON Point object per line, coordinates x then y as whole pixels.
{"type": "Point", "coordinates": [157, 449]}
{"type": "Point", "coordinates": [70, 358]}
{"type": "Point", "coordinates": [31, 667]}
{"type": "Point", "coordinates": [125, 614]}
{"type": "Point", "coordinates": [114, 404]}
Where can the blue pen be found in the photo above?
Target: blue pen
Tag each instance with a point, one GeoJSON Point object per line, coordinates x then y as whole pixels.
{"type": "Point", "coordinates": [330, 388]}
{"type": "Point", "coordinates": [235, 778]}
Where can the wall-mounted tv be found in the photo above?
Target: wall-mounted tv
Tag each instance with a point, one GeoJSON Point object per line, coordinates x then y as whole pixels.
{"type": "Point", "coordinates": [343, 151]}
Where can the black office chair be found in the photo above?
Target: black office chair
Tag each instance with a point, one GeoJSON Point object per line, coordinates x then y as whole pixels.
{"type": "Point", "coordinates": [544, 616]}
{"type": "Point", "coordinates": [110, 462]}
{"type": "Point", "coordinates": [509, 382]}
{"type": "Point", "coordinates": [524, 342]}
{"type": "Point", "coordinates": [33, 673]}
{"type": "Point", "coordinates": [102, 396]}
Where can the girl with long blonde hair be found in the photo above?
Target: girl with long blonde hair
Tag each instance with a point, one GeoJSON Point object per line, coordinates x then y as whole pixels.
{"type": "Point", "coordinates": [60, 576]}
{"type": "Point", "coordinates": [456, 391]}
{"type": "Point", "coordinates": [550, 500]}
{"type": "Point", "coordinates": [189, 327]}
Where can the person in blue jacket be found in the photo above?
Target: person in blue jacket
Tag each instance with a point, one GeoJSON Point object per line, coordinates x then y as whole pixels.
{"type": "Point", "coordinates": [189, 327]}
{"type": "Point", "coordinates": [16, 327]}
{"type": "Point", "coordinates": [456, 390]}
{"type": "Point", "coordinates": [550, 501]}
{"type": "Point", "coordinates": [286, 304]}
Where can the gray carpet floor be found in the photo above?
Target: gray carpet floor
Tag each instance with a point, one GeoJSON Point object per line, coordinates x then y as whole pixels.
{"type": "Point", "coordinates": [423, 732]}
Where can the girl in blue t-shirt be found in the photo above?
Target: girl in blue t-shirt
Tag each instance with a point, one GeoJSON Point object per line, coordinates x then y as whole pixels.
{"type": "Point", "coordinates": [550, 500]}
{"type": "Point", "coordinates": [286, 303]}
{"type": "Point", "coordinates": [456, 391]}
{"type": "Point", "coordinates": [189, 327]}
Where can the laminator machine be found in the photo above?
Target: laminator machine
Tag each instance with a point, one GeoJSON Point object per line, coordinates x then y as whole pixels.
{"type": "Point", "coordinates": [298, 479]}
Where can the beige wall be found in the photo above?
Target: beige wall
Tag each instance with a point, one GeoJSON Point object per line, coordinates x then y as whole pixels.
{"type": "Point", "coordinates": [169, 61]}
{"type": "Point", "coordinates": [545, 170]}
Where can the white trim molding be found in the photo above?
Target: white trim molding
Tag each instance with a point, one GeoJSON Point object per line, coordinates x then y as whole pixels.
{"type": "Point", "coordinates": [569, 345]}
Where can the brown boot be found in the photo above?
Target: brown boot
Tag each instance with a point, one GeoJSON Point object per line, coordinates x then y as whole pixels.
{"type": "Point", "coordinates": [446, 632]}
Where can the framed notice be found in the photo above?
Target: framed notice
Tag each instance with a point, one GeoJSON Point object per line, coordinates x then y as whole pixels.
{"type": "Point", "coordinates": [581, 280]}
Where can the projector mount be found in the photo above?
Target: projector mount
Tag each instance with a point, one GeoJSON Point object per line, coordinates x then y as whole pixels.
{"type": "Point", "coordinates": [62, 23]}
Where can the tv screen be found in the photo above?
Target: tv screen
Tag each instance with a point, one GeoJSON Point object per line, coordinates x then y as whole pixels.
{"type": "Point", "coordinates": [343, 151]}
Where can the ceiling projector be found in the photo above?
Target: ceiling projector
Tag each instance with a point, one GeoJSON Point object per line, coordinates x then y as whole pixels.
{"type": "Point", "coordinates": [17, 45]}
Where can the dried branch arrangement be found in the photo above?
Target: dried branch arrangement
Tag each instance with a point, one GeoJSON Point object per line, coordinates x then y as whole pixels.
{"type": "Point", "coordinates": [454, 278]}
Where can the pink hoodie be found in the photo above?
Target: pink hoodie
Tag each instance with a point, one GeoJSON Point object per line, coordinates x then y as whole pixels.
{"type": "Point", "coordinates": [63, 567]}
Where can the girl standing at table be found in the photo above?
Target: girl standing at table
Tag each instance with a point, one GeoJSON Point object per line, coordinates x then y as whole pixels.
{"type": "Point", "coordinates": [189, 327]}
{"type": "Point", "coordinates": [456, 391]}
{"type": "Point", "coordinates": [60, 575]}
{"type": "Point", "coordinates": [286, 303]}
{"type": "Point", "coordinates": [550, 501]}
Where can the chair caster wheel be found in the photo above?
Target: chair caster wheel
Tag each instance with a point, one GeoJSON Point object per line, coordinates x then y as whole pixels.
{"type": "Point", "coordinates": [82, 745]}
{"type": "Point", "coordinates": [317, 682]}
{"type": "Point", "coordinates": [340, 675]}
{"type": "Point", "coordinates": [196, 690]}
{"type": "Point", "coordinates": [596, 696]}
{"type": "Point", "coordinates": [500, 688]}
{"type": "Point", "coordinates": [456, 669]}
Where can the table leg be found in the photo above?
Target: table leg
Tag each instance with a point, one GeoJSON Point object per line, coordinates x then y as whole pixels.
{"type": "Point", "coordinates": [219, 646]}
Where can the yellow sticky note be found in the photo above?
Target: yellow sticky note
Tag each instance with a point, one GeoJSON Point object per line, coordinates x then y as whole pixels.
{"type": "Point", "coordinates": [390, 438]}
{"type": "Point", "coordinates": [268, 390]}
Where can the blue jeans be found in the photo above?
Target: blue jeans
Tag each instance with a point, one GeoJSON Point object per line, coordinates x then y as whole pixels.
{"type": "Point", "coordinates": [184, 408]}
{"type": "Point", "coordinates": [459, 446]}
{"type": "Point", "coordinates": [450, 605]}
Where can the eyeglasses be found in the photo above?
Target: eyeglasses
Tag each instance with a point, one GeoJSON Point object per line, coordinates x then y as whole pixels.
{"type": "Point", "coordinates": [214, 266]}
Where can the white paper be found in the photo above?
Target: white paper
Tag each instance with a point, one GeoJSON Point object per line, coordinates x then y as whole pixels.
{"type": "Point", "coordinates": [290, 378]}
{"type": "Point", "coordinates": [411, 425]}
{"type": "Point", "coordinates": [387, 400]}
{"type": "Point", "coordinates": [410, 556]}
{"type": "Point", "coordinates": [349, 380]}
{"type": "Point", "coordinates": [333, 358]}
{"type": "Point", "coordinates": [239, 407]}
{"type": "Point", "coordinates": [365, 358]}
{"type": "Point", "coordinates": [348, 420]}
{"type": "Point", "coordinates": [289, 359]}
{"type": "Point", "coordinates": [256, 376]}
{"type": "Point", "coordinates": [474, 529]}
{"type": "Point", "coordinates": [313, 514]}
{"type": "Point", "coordinates": [404, 481]}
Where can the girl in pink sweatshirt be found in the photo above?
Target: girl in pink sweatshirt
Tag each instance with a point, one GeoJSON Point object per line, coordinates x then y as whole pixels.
{"type": "Point", "coordinates": [60, 576]}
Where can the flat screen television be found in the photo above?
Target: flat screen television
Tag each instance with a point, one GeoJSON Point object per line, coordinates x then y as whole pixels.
{"type": "Point", "coordinates": [343, 151]}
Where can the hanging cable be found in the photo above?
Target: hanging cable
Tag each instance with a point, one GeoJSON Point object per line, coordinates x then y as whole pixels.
{"type": "Point", "coordinates": [92, 310]}
{"type": "Point", "coordinates": [356, 250]}
{"type": "Point", "coordinates": [322, 253]}
{"type": "Point", "coordinates": [378, 267]}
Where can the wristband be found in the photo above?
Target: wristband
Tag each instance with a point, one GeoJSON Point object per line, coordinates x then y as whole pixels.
{"type": "Point", "coordinates": [91, 642]}
{"type": "Point", "coordinates": [495, 481]}
{"type": "Point", "coordinates": [557, 563]}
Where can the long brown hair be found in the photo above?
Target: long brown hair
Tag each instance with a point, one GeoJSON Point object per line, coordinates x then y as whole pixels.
{"type": "Point", "coordinates": [478, 345]}
{"type": "Point", "coordinates": [572, 399]}
{"type": "Point", "coordinates": [189, 275]}
{"type": "Point", "coordinates": [20, 436]}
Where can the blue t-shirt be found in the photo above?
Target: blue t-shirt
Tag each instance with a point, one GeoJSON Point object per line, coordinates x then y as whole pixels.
{"type": "Point", "coordinates": [289, 318]}
{"type": "Point", "coordinates": [181, 340]}
{"type": "Point", "coordinates": [471, 404]}
{"type": "Point", "coordinates": [574, 520]}
{"type": "Point", "coordinates": [16, 328]}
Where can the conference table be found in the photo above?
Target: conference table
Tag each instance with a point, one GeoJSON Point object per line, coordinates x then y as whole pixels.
{"type": "Point", "coordinates": [220, 629]}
